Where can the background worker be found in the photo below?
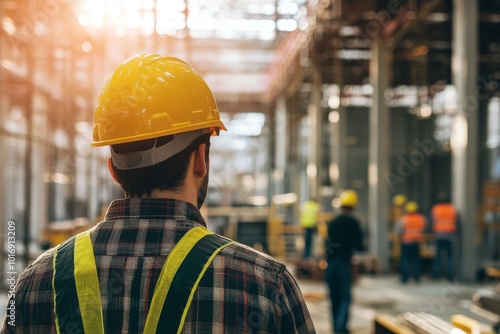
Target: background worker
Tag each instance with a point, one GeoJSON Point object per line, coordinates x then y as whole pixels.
{"type": "Point", "coordinates": [397, 209]}
{"type": "Point", "coordinates": [309, 221]}
{"type": "Point", "coordinates": [344, 237]}
{"type": "Point", "coordinates": [411, 228]}
{"type": "Point", "coordinates": [444, 226]}
{"type": "Point", "coordinates": [152, 265]}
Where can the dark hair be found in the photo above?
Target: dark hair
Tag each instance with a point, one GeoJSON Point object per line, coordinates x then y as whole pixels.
{"type": "Point", "coordinates": [166, 175]}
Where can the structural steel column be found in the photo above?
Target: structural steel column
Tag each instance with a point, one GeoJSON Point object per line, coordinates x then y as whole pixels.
{"type": "Point", "coordinates": [464, 136]}
{"type": "Point", "coordinates": [378, 161]}
{"type": "Point", "coordinates": [4, 193]}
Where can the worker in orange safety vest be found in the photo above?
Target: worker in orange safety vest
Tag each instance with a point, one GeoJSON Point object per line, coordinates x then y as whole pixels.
{"type": "Point", "coordinates": [444, 226]}
{"type": "Point", "coordinates": [411, 228]}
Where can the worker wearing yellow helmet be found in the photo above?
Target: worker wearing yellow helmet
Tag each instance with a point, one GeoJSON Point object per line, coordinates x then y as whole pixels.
{"type": "Point", "coordinates": [152, 265]}
{"type": "Point", "coordinates": [397, 209]}
{"type": "Point", "coordinates": [399, 200]}
{"type": "Point", "coordinates": [344, 237]}
{"type": "Point", "coordinates": [445, 221]}
{"type": "Point", "coordinates": [410, 229]}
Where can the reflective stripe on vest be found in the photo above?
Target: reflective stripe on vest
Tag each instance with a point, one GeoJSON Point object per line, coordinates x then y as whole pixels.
{"type": "Point", "coordinates": [414, 224]}
{"type": "Point", "coordinates": [77, 299]}
{"type": "Point", "coordinates": [444, 217]}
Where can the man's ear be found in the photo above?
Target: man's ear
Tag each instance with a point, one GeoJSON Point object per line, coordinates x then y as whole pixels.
{"type": "Point", "coordinates": [111, 171]}
{"type": "Point", "coordinates": [200, 164]}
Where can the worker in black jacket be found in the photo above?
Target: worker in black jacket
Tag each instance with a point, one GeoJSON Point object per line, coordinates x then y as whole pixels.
{"type": "Point", "coordinates": [344, 237]}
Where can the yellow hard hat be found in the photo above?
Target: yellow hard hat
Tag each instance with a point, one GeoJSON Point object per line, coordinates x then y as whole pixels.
{"type": "Point", "coordinates": [399, 200]}
{"type": "Point", "coordinates": [348, 198]}
{"type": "Point", "coordinates": [150, 96]}
{"type": "Point", "coordinates": [411, 207]}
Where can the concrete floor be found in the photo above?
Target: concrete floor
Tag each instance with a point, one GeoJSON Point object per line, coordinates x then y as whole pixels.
{"type": "Point", "coordinates": [380, 294]}
{"type": "Point", "coordinates": [385, 294]}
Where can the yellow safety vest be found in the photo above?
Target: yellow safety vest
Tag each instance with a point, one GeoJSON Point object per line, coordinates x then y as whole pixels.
{"type": "Point", "coordinates": [77, 298]}
{"type": "Point", "coordinates": [309, 214]}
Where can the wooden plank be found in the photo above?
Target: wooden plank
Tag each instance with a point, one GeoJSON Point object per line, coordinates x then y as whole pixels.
{"type": "Point", "coordinates": [387, 324]}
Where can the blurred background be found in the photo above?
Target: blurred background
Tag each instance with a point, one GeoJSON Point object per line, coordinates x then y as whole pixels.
{"type": "Point", "coordinates": [384, 97]}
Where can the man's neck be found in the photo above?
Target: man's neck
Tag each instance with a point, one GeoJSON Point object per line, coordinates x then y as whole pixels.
{"type": "Point", "coordinates": [178, 195]}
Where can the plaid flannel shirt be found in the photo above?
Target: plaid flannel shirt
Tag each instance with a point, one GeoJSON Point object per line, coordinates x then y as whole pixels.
{"type": "Point", "coordinates": [243, 291]}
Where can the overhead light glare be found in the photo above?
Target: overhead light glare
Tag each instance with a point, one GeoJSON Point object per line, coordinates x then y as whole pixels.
{"type": "Point", "coordinates": [9, 26]}
{"type": "Point", "coordinates": [286, 25]}
{"type": "Point", "coordinates": [287, 8]}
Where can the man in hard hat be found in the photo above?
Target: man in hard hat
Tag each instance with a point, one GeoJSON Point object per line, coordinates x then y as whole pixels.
{"type": "Point", "coordinates": [309, 221]}
{"type": "Point", "coordinates": [444, 226]}
{"type": "Point", "coordinates": [398, 208]}
{"type": "Point", "coordinates": [411, 228]}
{"type": "Point", "coordinates": [152, 266]}
{"type": "Point", "coordinates": [344, 237]}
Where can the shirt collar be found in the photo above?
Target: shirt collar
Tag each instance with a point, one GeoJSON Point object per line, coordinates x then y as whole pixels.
{"type": "Point", "coordinates": [153, 208]}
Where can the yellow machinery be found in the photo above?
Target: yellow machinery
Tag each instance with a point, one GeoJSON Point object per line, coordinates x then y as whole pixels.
{"type": "Point", "coordinates": [57, 232]}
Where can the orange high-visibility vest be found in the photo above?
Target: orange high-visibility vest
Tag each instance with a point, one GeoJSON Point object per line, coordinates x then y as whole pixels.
{"type": "Point", "coordinates": [413, 227]}
{"type": "Point", "coordinates": [444, 218]}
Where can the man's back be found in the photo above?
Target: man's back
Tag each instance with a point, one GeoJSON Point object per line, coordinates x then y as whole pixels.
{"type": "Point", "coordinates": [444, 218]}
{"type": "Point", "coordinates": [344, 237]}
{"type": "Point", "coordinates": [413, 226]}
{"type": "Point", "coordinates": [241, 291]}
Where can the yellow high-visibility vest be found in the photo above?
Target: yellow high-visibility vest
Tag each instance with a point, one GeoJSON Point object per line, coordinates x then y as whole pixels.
{"type": "Point", "coordinates": [309, 214]}
{"type": "Point", "coordinates": [77, 297]}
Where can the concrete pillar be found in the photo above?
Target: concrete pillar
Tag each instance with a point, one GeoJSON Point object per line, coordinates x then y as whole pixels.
{"type": "Point", "coordinates": [338, 165]}
{"type": "Point", "coordinates": [315, 115]}
{"type": "Point", "coordinates": [94, 207]}
{"type": "Point", "coordinates": [378, 161]}
{"type": "Point", "coordinates": [293, 160]}
{"type": "Point", "coordinates": [39, 188]}
{"type": "Point", "coordinates": [281, 147]}
{"type": "Point", "coordinates": [464, 138]}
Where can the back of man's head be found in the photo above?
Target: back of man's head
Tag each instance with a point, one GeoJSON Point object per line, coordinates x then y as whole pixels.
{"type": "Point", "coordinates": [348, 200]}
{"type": "Point", "coordinates": [443, 197]}
{"type": "Point", "coordinates": [154, 111]}
{"type": "Point", "coordinates": [168, 175]}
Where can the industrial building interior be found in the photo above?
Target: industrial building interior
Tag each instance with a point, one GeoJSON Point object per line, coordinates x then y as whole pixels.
{"type": "Point", "coordinates": [384, 97]}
